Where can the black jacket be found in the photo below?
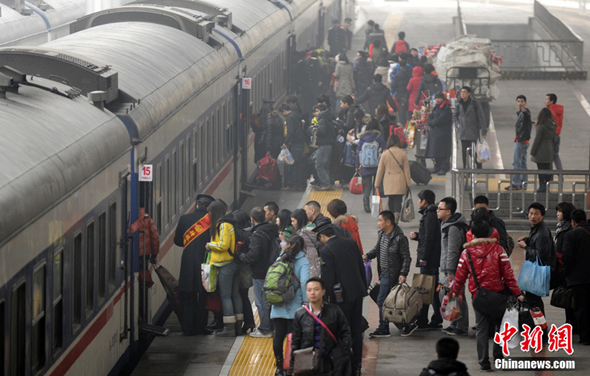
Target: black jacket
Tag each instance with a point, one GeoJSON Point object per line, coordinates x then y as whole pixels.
{"type": "Point", "coordinates": [500, 226]}
{"type": "Point", "coordinates": [258, 256]}
{"type": "Point", "coordinates": [430, 83]}
{"type": "Point", "coordinates": [400, 82]}
{"type": "Point", "coordinates": [341, 232]}
{"type": "Point", "coordinates": [349, 117]}
{"type": "Point", "coordinates": [429, 237]}
{"type": "Point", "coordinates": [304, 329]}
{"type": "Point", "coordinates": [375, 95]}
{"type": "Point", "coordinates": [295, 133]}
{"type": "Point", "coordinates": [326, 134]}
{"type": "Point", "coordinates": [440, 138]}
{"type": "Point", "coordinates": [336, 39]}
{"type": "Point", "coordinates": [193, 255]}
{"type": "Point", "coordinates": [540, 240]}
{"type": "Point", "coordinates": [399, 255]}
{"type": "Point", "coordinates": [274, 134]}
{"type": "Point", "coordinates": [445, 366]}
{"type": "Point", "coordinates": [563, 227]}
{"type": "Point", "coordinates": [523, 125]}
{"type": "Point", "coordinates": [342, 263]}
{"type": "Point", "coordinates": [575, 255]}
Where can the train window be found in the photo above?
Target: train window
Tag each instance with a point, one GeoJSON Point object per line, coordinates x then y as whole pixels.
{"type": "Point", "coordinates": [224, 122]}
{"type": "Point", "coordinates": [77, 284]}
{"type": "Point", "coordinates": [102, 255]}
{"type": "Point", "coordinates": [167, 191]}
{"type": "Point", "coordinates": [18, 337]}
{"type": "Point", "coordinates": [186, 171]}
{"type": "Point", "coordinates": [174, 184]}
{"type": "Point", "coordinates": [219, 137]}
{"type": "Point", "coordinates": [159, 188]}
{"type": "Point", "coordinates": [38, 324]}
{"type": "Point", "coordinates": [209, 147]}
{"type": "Point", "coordinates": [58, 301]}
{"type": "Point", "coordinates": [2, 345]}
{"type": "Point", "coordinates": [112, 244]}
{"type": "Point", "coordinates": [90, 269]}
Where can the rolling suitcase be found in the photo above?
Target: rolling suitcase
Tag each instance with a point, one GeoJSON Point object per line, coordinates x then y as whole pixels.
{"type": "Point", "coordinates": [402, 305]}
{"type": "Point", "coordinates": [419, 173]}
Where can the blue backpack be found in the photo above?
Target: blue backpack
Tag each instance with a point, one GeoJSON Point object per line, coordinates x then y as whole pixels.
{"type": "Point", "coordinates": [369, 156]}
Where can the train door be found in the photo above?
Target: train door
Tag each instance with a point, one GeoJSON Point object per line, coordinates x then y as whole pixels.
{"type": "Point", "coordinates": [291, 62]}
{"type": "Point", "coordinates": [124, 247]}
{"type": "Point", "coordinates": [145, 202]}
{"type": "Point", "coordinates": [244, 112]}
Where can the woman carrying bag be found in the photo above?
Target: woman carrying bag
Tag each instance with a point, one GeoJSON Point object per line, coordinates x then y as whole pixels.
{"type": "Point", "coordinates": [394, 173]}
{"type": "Point", "coordinates": [368, 172]}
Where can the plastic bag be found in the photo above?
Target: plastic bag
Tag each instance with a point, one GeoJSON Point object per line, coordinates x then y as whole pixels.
{"type": "Point", "coordinates": [376, 206]}
{"type": "Point", "coordinates": [450, 308]}
{"type": "Point", "coordinates": [208, 274]}
{"type": "Point", "coordinates": [285, 157]}
{"type": "Point", "coordinates": [511, 317]}
{"type": "Point", "coordinates": [483, 151]}
{"type": "Point", "coordinates": [535, 277]}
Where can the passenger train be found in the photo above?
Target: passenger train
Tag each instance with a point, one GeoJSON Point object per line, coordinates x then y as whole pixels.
{"type": "Point", "coordinates": [154, 82]}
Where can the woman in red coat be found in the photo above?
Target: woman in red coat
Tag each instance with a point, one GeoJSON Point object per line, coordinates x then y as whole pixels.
{"type": "Point", "coordinates": [413, 86]}
{"type": "Point", "coordinates": [337, 209]}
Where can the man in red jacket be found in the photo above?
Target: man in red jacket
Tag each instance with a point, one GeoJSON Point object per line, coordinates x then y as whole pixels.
{"type": "Point", "coordinates": [491, 266]}
{"type": "Point", "coordinates": [557, 111]}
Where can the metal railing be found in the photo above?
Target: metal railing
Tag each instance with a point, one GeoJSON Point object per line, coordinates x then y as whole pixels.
{"type": "Point", "coordinates": [547, 55]}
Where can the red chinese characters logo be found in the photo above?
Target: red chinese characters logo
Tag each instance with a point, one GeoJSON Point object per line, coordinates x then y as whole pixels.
{"type": "Point", "coordinates": [532, 338]}
{"type": "Point", "coordinates": [561, 338]}
{"type": "Point", "coordinates": [505, 335]}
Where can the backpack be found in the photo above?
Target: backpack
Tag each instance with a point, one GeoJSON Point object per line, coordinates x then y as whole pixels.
{"type": "Point", "coordinates": [400, 46]}
{"type": "Point", "coordinates": [402, 305]}
{"type": "Point", "coordinates": [275, 248]}
{"type": "Point", "coordinates": [399, 132]}
{"type": "Point", "coordinates": [242, 241]}
{"type": "Point", "coordinates": [434, 87]}
{"type": "Point", "coordinates": [369, 156]}
{"type": "Point", "coordinates": [278, 283]}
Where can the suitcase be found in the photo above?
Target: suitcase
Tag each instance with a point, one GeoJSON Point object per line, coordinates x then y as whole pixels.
{"type": "Point", "coordinates": [402, 305]}
{"type": "Point", "coordinates": [419, 173]}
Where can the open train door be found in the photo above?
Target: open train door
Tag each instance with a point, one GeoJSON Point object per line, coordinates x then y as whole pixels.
{"type": "Point", "coordinates": [291, 62]}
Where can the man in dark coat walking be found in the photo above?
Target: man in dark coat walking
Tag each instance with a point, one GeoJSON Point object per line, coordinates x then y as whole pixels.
{"type": "Point", "coordinates": [192, 233]}
{"type": "Point", "coordinates": [344, 276]}
{"type": "Point", "coordinates": [440, 138]}
{"type": "Point", "coordinates": [428, 237]}
{"type": "Point", "coordinates": [375, 95]}
{"type": "Point", "coordinates": [295, 142]}
{"type": "Point", "coordinates": [399, 87]}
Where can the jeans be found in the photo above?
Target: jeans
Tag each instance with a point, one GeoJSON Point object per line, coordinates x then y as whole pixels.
{"type": "Point", "coordinates": [465, 144]}
{"type": "Point", "coordinates": [395, 203]}
{"type": "Point", "coordinates": [263, 308]}
{"type": "Point", "coordinates": [519, 163]}
{"type": "Point", "coordinates": [293, 172]}
{"type": "Point", "coordinates": [322, 164]}
{"type": "Point", "coordinates": [282, 328]}
{"type": "Point", "coordinates": [423, 314]}
{"type": "Point", "coordinates": [369, 187]}
{"type": "Point", "coordinates": [353, 311]}
{"type": "Point", "coordinates": [229, 290]}
{"type": "Point", "coordinates": [544, 178]}
{"type": "Point", "coordinates": [483, 323]}
{"type": "Point", "coordinates": [556, 159]}
{"type": "Point", "coordinates": [384, 288]}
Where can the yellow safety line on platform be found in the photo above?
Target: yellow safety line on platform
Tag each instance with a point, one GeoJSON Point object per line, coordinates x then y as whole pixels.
{"type": "Point", "coordinates": [256, 357]}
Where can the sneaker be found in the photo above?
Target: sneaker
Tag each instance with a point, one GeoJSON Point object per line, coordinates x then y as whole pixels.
{"type": "Point", "coordinates": [447, 330]}
{"type": "Point", "coordinates": [408, 330]}
{"type": "Point", "coordinates": [512, 188]}
{"type": "Point", "coordinates": [380, 333]}
{"type": "Point", "coordinates": [259, 334]}
{"type": "Point", "coordinates": [441, 173]}
{"type": "Point", "coordinates": [457, 332]}
{"type": "Point", "coordinates": [433, 325]}
{"type": "Point", "coordinates": [486, 368]}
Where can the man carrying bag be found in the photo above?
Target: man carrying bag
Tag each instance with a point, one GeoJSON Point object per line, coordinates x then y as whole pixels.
{"type": "Point", "coordinates": [487, 265]}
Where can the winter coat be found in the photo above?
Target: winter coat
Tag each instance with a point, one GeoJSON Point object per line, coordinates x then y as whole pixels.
{"type": "Point", "coordinates": [345, 78]}
{"type": "Point", "coordinates": [336, 39]}
{"type": "Point", "coordinates": [542, 148]}
{"type": "Point", "coordinates": [470, 119]}
{"type": "Point", "coordinates": [311, 251]}
{"type": "Point", "coordinates": [274, 134]}
{"type": "Point", "coordinates": [258, 255]}
{"type": "Point", "coordinates": [440, 137]}
{"type": "Point", "coordinates": [452, 239]}
{"type": "Point", "coordinates": [540, 240]}
{"type": "Point", "coordinates": [399, 85]}
{"type": "Point", "coordinates": [295, 131]}
{"type": "Point", "coordinates": [193, 255]}
{"type": "Point", "coordinates": [394, 70]}
{"type": "Point", "coordinates": [375, 95]}
{"type": "Point", "coordinates": [491, 265]}
{"type": "Point", "coordinates": [369, 136]}
{"type": "Point", "coordinates": [378, 35]}
{"type": "Point", "coordinates": [575, 255]}
{"type": "Point", "coordinates": [563, 227]}
{"type": "Point", "coordinates": [378, 54]}
{"type": "Point", "coordinates": [557, 111]}
{"type": "Point", "coordinates": [348, 117]}
{"type": "Point", "coordinates": [430, 85]}
{"type": "Point", "coordinates": [301, 270]}
{"type": "Point", "coordinates": [445, 366]}
{"type": "Point", "coordinates": [350, 222]}
{"type": "Point", "coordinates": [368, 32]}
{"type": "Point", "coordinates": [428, 237]}
{"type": "Point", "coordinates": [399, 259]}
{"type": "Point", "coordinates": [149, 240]}
{"type": "Point", "coordinates": [304, 334]}
{"type": "Point", "coordinates": [342, 263]}
{"type": "Point", "coordinates": [326, 134]}
{"type": "Point", "coordinates": [394, 172]}
{"type": "Point", "coordinates": [224, 242]}
{"type": "Point", "coordinates": [498, 232]}
{"type": "Point", "coordinates": [363, 77]}
{"type": "Point", "coordinates": [413, 86]}
{"type": "Point", "coordinates": [383, 72]}
{"type": "Point", "coordinates": [523, 125]}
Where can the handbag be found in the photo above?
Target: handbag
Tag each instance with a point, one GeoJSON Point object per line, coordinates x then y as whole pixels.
{"type": "Point", "coordinates": [376, 205]}
{"type": "Point", "coordinates": [511, 317]}
{"type": "Point", "coordinates": [535, 277]}
{"type": "Point", "coordinates": [308, 360]}
{"type": "Point", "coordinates": [407, 214]}
{"type": "Point", "coordinates": [488, 301]}
{"type": "Point", "coordinates": [425, 284]}
{"type": "Point", "coordinates": [562, 297]}
{"type": "Point", "coordinates": [288, 353]}
{"type": "Point", "coordinates": [208, 274]}
{"type": "Point", "coordinates": [356, 185]}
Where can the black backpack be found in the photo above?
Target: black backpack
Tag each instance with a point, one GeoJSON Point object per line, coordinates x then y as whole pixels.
{"type": "Point", "coordinates": [242, 241]}
{"type": "Point", "coordinates": [275, 247]}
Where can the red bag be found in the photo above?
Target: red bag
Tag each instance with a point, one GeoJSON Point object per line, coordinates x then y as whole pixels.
{"type": "Point", "coordinates": [538, 318]}
{"type": "Point", "coordinates": [356, 184]}
{"type": "Point", "coordinates": [288, 350]}
{"type": "Point", "coordinates": [213, 302]}
{"type": "Point", "coordinates": [399, 132]}
{"type": "Point", "coordinates": [267, 169]}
